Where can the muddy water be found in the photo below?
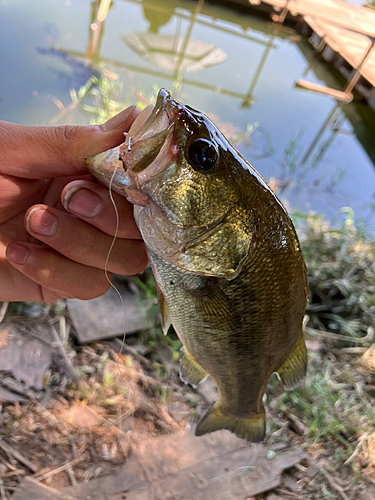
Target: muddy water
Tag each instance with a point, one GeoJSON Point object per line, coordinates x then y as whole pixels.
{"type": "Point", "coordinates": [318, 154]}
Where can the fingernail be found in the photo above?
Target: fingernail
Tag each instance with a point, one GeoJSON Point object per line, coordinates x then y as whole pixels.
{"type": "Point", "coordinates": [118, 120]}
{"type": "Point", "coordinates": [17, 253]}
{"type": "Point", "coordinates": [82, 202]}
{"type": "Point", "coordinates": [42, 222]}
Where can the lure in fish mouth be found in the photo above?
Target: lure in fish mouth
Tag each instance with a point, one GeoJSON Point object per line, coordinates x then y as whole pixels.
{"type": "Point", "coordinates": [229, 270]}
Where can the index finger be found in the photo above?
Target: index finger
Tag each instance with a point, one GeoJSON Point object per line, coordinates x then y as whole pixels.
{"type": "Point", "coordinates": [48, 152]}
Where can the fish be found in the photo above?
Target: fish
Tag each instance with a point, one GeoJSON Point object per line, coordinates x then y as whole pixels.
{"type": "Point", "coordinates": [230, 274]}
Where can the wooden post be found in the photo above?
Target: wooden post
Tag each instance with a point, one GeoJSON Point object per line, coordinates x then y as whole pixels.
{"type": "Point", "coordinates": [352, 83]}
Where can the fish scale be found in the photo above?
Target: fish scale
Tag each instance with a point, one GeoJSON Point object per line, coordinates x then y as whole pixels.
{"type": "Point", "coordinates": [226, 259]}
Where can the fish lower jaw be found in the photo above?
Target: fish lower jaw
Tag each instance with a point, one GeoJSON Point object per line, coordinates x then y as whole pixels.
{"type": "Point", "coordinates": [137, 184]}
{"type": "Point", "coordinates": [136, 197]}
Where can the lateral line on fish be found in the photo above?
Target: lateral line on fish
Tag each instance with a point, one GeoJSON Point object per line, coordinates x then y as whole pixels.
{"type": "Point", "coordinates": [109, 253]}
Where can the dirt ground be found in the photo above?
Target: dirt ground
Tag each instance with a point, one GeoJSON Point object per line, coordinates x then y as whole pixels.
{"type": "Point", "coordinates": [87, 428]}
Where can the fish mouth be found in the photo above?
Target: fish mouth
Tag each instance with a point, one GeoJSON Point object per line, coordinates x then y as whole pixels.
{"type": "Point", "coordinates": [141, 149]}
{"type": "Point", "coordinates": [144, 155]}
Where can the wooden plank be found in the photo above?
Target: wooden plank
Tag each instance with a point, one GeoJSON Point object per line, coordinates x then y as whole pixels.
{"type": "Point", "coordinates": [337, 12]}
{"type": "Point", "coordinates": [106, 488]}
{"type": "Point", "coordinates": [186, 467]}
{"type": "Point", "coordinates": [321, 89]}
{"type": "Point", "coordinates": [32, 490]}
{"type": "Point", "coordinates": [235, 475]}
{"type": "Point", "coordinates": [24, 361]}
{"type": "Point", "coordinates": [105, 317]}
{"type": "Point", "coordinates": [347, 29]}
{"type": "Point", "coordinates": [351, 46]}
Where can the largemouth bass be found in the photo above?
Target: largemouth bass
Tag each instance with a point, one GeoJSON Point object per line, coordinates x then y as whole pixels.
{"type": "Point", "coordinates": [226, 258]}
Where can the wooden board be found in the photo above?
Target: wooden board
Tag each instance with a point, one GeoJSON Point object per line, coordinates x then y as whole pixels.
{"type": "Point", "coordinates": [315, 87]}
{"type": "Point", "coordinates": [350, 45]}
{"type": "Point", "coordinates": [185, 467]}
{"type": "Point", "coordinates": [104, 317]}
{"type": "Point", "coordinates": [24, 361]}
{"type": "Point", "coordinates": [32, 490]}
{"type": "Point", "coordinates": [338, 12]}
{"type": "Point", "coordinates": [348, 29]}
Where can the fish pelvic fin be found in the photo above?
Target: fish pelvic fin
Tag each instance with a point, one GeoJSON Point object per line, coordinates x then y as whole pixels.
{"type": "Point", "coordinates": [165, 318]}
{"type": "Point", "coordinates": [191, 371]}
{"type": "Point", "coordinates": [294, 367]}
{"type": "Point", "coordinates": [252, 429]}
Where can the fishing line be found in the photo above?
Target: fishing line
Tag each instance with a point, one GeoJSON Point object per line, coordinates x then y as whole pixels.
{"type": "Point", "coordinates": [109, 253]}
{"type": "Point", "coordinates": [132, 388]}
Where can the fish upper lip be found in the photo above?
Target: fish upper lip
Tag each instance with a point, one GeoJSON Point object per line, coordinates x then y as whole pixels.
{"type": "Point", "coordinates": [152, 149]}
{"type": "Point", "coordinates": [150, 136]}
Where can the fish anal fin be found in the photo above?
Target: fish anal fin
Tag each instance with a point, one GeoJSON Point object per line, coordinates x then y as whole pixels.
{"type": "Point", "coordinates": [165, 318]}
{"type": "Point", "coordinates": [252, 429]}
{"type": "Point", "coordinates": [190, 371]}
{"type": "Point", "coordinates": [294, 367]}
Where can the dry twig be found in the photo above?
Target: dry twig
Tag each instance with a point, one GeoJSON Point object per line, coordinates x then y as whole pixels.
{"type": "Point", "coordinates": [60, 348]}
{"type": "Point", "coordinates": [334, 485]}
{"type": "Point", "coordinates": [3, 310]}
{"type": "Point", "coordinates": [23, 460]}
{"type": "Point", "coordinates": [53, 472]}
{"type": "Point", "coordinates": [129, 350]}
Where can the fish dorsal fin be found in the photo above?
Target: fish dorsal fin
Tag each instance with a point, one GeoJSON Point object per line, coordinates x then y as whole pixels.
{"type": "Point", "coordinates": [165, 318]}
{"type": "Point", "coordinates": [294, 367]}
{"type": "Point", "coordinates": [191, 371]}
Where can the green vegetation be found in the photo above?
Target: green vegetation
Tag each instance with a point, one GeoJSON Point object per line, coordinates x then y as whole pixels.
{"type": "Point", "coordinates": [332, 410]}
{"type": "Point", "coordinates": [341, 267]}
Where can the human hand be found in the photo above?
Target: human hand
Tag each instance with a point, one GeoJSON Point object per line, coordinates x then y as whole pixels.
{"type": "Point", "coordinates": [56, 223]}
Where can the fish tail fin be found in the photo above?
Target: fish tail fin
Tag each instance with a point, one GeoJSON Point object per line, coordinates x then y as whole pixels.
{"type": "Point", "coordinates": [252, 428]}
{"type": "Point", "coordinates": [294, 367]}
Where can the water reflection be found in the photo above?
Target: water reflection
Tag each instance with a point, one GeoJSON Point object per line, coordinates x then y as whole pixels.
{"type": "Point", "coordinates": [238, 68]}
{"type": "Point", "coordinates": [99, 13]}
{"type": "Point", "coordinates": [157, 16]}
{"type": "Point", "coordinates": [178, 54]}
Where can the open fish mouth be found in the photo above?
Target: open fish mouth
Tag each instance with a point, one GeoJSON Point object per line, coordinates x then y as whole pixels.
{"type": "Point", "coordinates": [141, 149]}
{"type": "Point", "coordinates": [144, 155]}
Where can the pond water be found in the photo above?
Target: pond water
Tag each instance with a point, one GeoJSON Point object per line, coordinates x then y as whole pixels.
{"type": "Point", "coordinates": [239, 69]}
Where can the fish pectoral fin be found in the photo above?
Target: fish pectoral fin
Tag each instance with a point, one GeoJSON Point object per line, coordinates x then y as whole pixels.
{"type": "Point", "coordinates": [191, 372]}
{"type": "Point", "coordinates": [294, 367]}
{"type": "Point", "coordinates": [252, 428]}
{"type": "Point", "coordinates": [214, 307]}
{"type": "Point", "coordinates": [165, 318]}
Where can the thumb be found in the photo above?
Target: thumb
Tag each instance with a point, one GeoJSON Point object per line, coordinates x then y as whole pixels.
{"type": "Point", "coordinates": [47, 152]}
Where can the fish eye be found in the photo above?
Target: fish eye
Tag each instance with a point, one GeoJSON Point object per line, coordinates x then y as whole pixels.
{"type": "Point", "coordinates": [203, 154]}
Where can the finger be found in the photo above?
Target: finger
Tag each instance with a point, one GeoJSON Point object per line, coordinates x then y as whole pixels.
{"type": "Point", "coordinates": [141, 119]}
{"type": "Point", "coordinates": [46, 152]}
{"type": "Point", "coordinates": [91, 202]}
{"type": "Point", "coordinates": [83, 243]}
{"type": "Point", "coordinates": [53, 275]}
{"type": "Point", "coordinates": [18, 194]}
